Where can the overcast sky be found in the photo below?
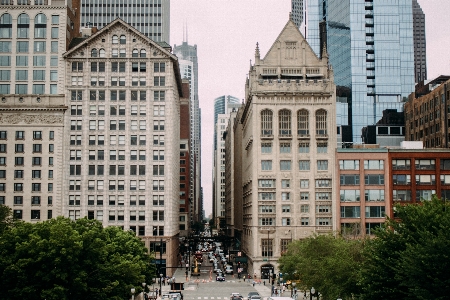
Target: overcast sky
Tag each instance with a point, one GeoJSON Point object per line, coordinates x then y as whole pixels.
{"type": "Point", "coordinates": [226, 33]}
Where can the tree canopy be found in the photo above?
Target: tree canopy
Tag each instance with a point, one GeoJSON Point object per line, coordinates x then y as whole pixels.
{"type": "Point", "coordinates": [65, 259]}
{"type": "Point", "coordinates": [410, 257]}
{"type": "Point", "coordinates": [327, 263]}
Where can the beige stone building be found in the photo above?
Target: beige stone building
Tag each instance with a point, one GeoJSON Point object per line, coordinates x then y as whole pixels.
{"type": "Point", "coordinates": [33, 37]}
{"type": "Point", "coordinates": [288, 142]}
{"type": "Point", "coordinates": [123, 143]}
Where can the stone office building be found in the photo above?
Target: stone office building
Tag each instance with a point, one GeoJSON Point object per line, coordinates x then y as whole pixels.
{"type": "Point", "coordinates": [123, 145]}
{"type": "Point", "coordinates": [288, 142]}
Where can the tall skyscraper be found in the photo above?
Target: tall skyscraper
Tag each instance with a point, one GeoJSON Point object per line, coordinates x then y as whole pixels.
{"type": "Point", "coordinates": [420, 43]}
{"type": "Point", "coordinates": [370, 47]}
{"type": "Point", "coordinates": [220, 107]}
{"type": "Point", "coordinates": [151, 17]}
{"type": "Point", "coordinates": [297, 12]}
{"type": "Point", "coordinates": [188, 60]}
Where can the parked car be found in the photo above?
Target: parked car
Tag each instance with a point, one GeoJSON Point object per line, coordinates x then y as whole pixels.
{"type": "Point", "coordinates": [237, 296]}
{"type": "Point", "coordinates": [251, 294]}
{"type": "Point", "coordinates": [229, 269]}
{"type": "Point", "coordinates": [220, 278]}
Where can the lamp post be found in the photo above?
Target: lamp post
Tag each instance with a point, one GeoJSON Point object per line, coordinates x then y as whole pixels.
{"type": "Point", "coordinates": [270, 277]}
{"type": "Point", "coordinates": [281, 284]}
{"type": "Point", "coordinates": [143, 290]}
{"type": "Point", "coordinates": [132, 293]}
{"type": "Point", "coordinates": [160, 283]}
{"type": "Point", "coordinates": [314, 293]}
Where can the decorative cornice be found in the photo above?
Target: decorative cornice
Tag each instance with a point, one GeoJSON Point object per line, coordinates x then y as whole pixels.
{"type": "Point", "coordinates": [30, 119]}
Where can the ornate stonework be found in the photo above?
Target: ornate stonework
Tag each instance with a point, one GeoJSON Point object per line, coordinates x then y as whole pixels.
{"type": "Point", "coordinates": [30, 119]}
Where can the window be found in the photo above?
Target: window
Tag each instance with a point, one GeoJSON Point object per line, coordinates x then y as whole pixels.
{"type": "Point", "coordinates": [304, 183]}
{"type": "Point", "coordinates": [373, 164]}
{"type": "Point", "coordinates": [285, 183]}
{"type": "Point", "coordinates": [285, 221]}
{"type": "Point", "coordinates": [285, 196]}
{"type": "Point", "coordinates": [266, 122]}
{"type": "Point", "coordinates": [351, 179]}
{"type": "Point", "coordinates": [284, 122]}
{"type": "Point", "coordinates": [159, 67]}
{"type": "Point", "coordinates": [6, 26]}
{"type": "Point", "coordinates": [158, 96]}
{"type": "Point", "coordinates": [323, 196]}
{"type": "Point", "coordinates": [35, 214]}
{"type": "Point", "coordinates": [266, 165]}
{"type": "Point", "coordinates": [304, 221]}
{"type": "Point", "coordinates": [445, 164]}
{"type": "Point", "coordinates": [322, 147]}
{"type": "Point", "coordinates": [350, 212]}
{"type": "Point", "coordinates": [304, 165]}
{"type": "Point", "coordinates": [285, 165]}
{"type": "Point", "coordinates": [350, 195]}
{"type": "Point", "coordinates": [22, 47]}
{"type": "Point", "coordinates": [303, 147]}
{"type": "Point", "coordinates": [322, 165]}
{"type": "Point", "coordinates": [40, 26]}
{"type": "Point", "coordinates": [425, 164]}
{"type": "Point", "coordinates": [321, 122]}
{"type": "Point", "coordinates": [322, 183]}
{"type": "Point", "coordinates": [425, 179]}
{"type": "Point", "coordinates": [158, 125]}
{"type": "Point", "coordinates": [123, 39]}
{"type": "Point", "coordinates": [349, 164]}
{"type": "Point", "coordinates": [375, 211]}
{"type": "Point", "coordinates": [374, 195]}
{"type": "Point", "coordinates": [23, 26]}
{"type": "Point", "coordinates": [401, 164]}
{"type": "Point", "coordinates": [266, 196]}
{"type": "Point", "coordinates": [159, 81]}
{"type": "Point", "coordinates": [303, 123]}
{"type": "Point", "coordinates": [266, 147]}
{"type": "Point", "coordinates": [374, 179]}
{"type": "Point", "coordinates": [285, 147]}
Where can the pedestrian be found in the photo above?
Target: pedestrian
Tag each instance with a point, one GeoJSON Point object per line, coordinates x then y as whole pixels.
{"type": "Point", "coordinates": [253, 283]}
{"type": "Point", "coordinates": [264, 282]}
{"type": "Point", "coordinates": [156, 291]}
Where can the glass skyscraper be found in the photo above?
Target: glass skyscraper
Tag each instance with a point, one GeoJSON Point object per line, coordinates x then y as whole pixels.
{"type": "Point", "coordinates": [151, 17]}
{"type": "Point", "coordinates": [371, 49]}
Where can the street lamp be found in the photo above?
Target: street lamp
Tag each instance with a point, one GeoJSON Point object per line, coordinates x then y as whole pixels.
{"type": "Point", "coordinates": [143, 290]}
{"type": "Point", "coordinates": [314, 293]}
{"type": "Point", "coordinates": [160, 283]}
{"type": "Point", "coordinates": [270, 278]}
{"type": "Point", "coordinates": [132, 293]}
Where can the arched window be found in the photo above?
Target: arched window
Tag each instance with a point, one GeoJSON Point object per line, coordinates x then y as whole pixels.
{"type": "Point", "coordinates": [123, 39]}
{"type": "Point", "coordinates": [94, 52]}
{"type": "Point", "coordinates": [23, 26]}
{"type": "Point", "coordinates": [115, 39]}
{"type": "Point", "coordinates": [321, 122]}
{"type": "Point", "coordinates": [40, 26]}
{"type": "Point", "coordinates": [135, 53]}
{"type": "Point", "coordinates": [102, 52]}
{"type": "Point", "coordinates": [266, 122]}
{"type": "Point", "coordinates": [6, 26]}
{"type": "Point", "coordinates": [284, 122]}
{"type": "Point", "coordinates": [303, 122]}
{"type": "Point", "coordinates": [143, 53]}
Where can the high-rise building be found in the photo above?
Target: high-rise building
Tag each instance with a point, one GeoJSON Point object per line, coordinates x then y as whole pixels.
{"type": "Point", "coordinates": [33, 37]}
{"type": "Point", "coordinates": [370, 47]}
{"type": "Point", "coordinates": [288, 136]}
{"type": "Point", "coordinates": [188, 60]}
{"type": "Point", "coordinates": [420, 43]}
{"type": "Point", "coordinates": [220, 107]}
{"type": "Point", "coordinates": [123, 136]}
{"type": "Point", "coordinates": [297, 12]}
{"type": "Point", "coordinates": [151, 17]}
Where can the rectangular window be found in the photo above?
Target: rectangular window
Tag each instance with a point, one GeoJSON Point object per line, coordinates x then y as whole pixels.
{"type": "Point", "coordinates": [350, 212]}
{"type": "Point", "coordinates": [322, 147]}
{"type": "Point", "coordinates": [349, 164]}
{"type": "Point", "coordinates": [374, 195]}
{"type": "Point", "coordinates": [374, 165]}
{"type": "Point", "coordinates": [266, 183]}
{"type": "Point", "coordinates": [375, 211]}
{"type": "Point", "coordinates": [425, 164]}
{"type": "Point", "coordinates": [304, 183]}
{"type": "Point", "coordinates": [401, 164]}
{"type": "Point", "coordinates": [285, 165]}
{"type": "Point", "coordinates": [322, 165]}
{"type": "Point", "coordinates": [266, 147]}
{"type": "Point", "coordinates": [350, 195]}
{"type": "Point", "coordinates": [285, 147]}
{"type": "Point", "coordinates": [304, 165]}
{"type": "Point", "coordinates": [303, 147]}
{"type": "Point", "coordinates": [266, 165]}
{"type": "Point", "coordinates": [374, 179]}
{"type": "Point", "coordinates": [403, 179]}
{"type": "Point", "coordinates": [351, 179]}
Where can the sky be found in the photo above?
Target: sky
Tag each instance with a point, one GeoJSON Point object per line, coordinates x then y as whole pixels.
{"type": "Point", "coordinates": [226, 33]}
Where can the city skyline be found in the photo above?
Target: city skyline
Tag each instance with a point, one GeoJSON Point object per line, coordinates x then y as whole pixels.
{"type": "Point", "coordinates": [226, 46]}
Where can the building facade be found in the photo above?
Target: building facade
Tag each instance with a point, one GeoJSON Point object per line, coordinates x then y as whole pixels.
{"type": "Point", "coordinates": [297, 12]}
{"type": "Point", "coordinates": [123, 136]}
{"type": "Point", "coordinates": [33, 37]}
{"type": "Point", "coordinates": [426, 117]}
{"type": "Point", "coordinates": [151, 17]}
{"type": "Point", "coordinates": [288, 141]}
{"type": "Point", "coordinates": [188, 61]}
{"type": "Point", "coordinates": [420, 43]}
{"type": "Point", "coordinates": [373, 59]}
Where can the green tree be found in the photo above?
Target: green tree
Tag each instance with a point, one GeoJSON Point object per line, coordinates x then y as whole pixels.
{"type": "Point", "coordinates": [327, 263]}
{"type": "Point", "coordinates": [409, 258]}
{"type": "Point", "coordinates": [64, 259]}
{"type": "Point", "coordinates": [6, 218]}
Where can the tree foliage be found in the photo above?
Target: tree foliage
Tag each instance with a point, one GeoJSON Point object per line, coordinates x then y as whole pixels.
{"type": "Point", "coordinates": [6, 218]}
{"type": "Point", "coordinates": [327, 263]}
{"type": "Point", "coordinates": [64, 259]}
{"type": "Point", "coordinates": [410, 257]}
